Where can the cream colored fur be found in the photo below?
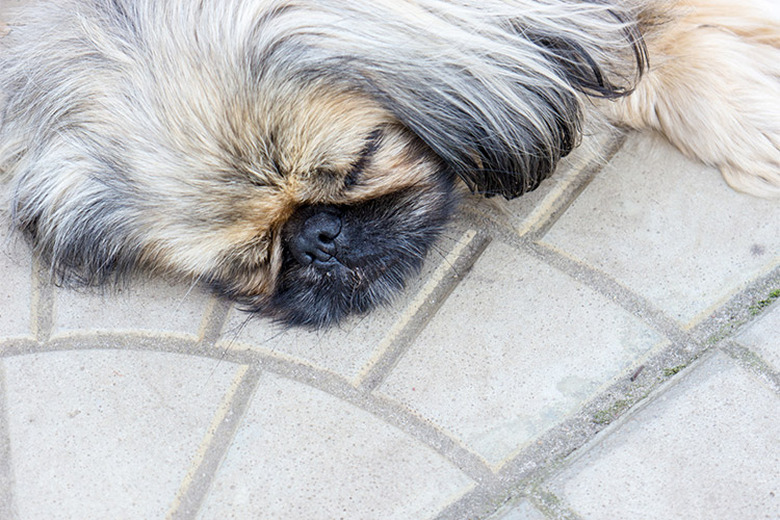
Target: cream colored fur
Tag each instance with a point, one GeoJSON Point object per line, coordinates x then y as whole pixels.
{"type": "Point", "coordinates": [714, 88]}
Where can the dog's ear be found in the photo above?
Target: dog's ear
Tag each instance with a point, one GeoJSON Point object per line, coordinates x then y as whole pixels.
{"type": "Point", "coordinates": [497, 146]}
{"type": "Point", "coordinates": [500, 100]}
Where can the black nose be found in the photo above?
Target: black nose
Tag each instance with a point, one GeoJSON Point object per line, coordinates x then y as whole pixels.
{"type": "Point", "coordinates": [314, 239]}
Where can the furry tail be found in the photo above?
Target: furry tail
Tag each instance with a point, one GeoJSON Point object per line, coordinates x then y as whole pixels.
{"type": "Point", "coordinates": [714, 88]}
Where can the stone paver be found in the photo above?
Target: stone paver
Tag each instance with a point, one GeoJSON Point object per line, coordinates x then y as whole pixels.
{"type": "Point", "coordinates": [764, 336]}
{"type": "Point", "coordinates": [138, 306]}
{"type": "Point", "coordinates": [302, 454]}
{"type": "Point", "coordinates": [106, 434]}
{"type": "Point", "coordinates": [708, 448]}
{"type": "Point", "coordinates": [15, 283]}
{"type": "Point", "coordinates": [525, 214]}
{"type": "Point", "coordinates": [323, 349]}
{"type": "Point", "coordinates": [670, 229]}
{"type": "Point", "coordinates": [531, 345]}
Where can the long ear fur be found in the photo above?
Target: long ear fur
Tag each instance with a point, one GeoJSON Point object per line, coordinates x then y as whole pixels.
{"type": "Point", "coordinates": [493, 87]}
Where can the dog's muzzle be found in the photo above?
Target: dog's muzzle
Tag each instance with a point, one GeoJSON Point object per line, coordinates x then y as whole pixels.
{"type": "Point", "coordinates": [346, 259]}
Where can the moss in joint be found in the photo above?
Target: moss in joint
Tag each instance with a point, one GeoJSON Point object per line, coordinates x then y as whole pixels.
{"type": "Point", "coordinates": [669, 372]}
{"type": "Point", "coordinates": [607, 415]}
{"type": "Point", "coordinates": [734, 322]}
{"type": "Point", "coordinates": [759, 306]}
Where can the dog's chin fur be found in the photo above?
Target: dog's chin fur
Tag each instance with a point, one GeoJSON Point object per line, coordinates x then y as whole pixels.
{"type": "Point", "coordinates": [205, 139]}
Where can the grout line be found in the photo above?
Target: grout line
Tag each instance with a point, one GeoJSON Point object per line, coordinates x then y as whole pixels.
{"type": "Point", "coordinates": [739, 311]}
{"type": "Point", "coordinates": [612, 290]}
{"type": "Point", "coordinates": [195, 485]}
{"type": "Point", "coordinates": [482, 502]}
{"type": "Point", "coordinates": [17, 346]}
{"type": "Point", "coordinates": [768, 273]}
{"type": "Point", "coordinates": [548, 457]}
{"type": "Point", "coordinates": [753, 363]}
{"type": "Point", "coordinates": [439, 285]}
{"type": "Point", "coordinates": [555, 204]}
{"type": "Point", "coordinates": [387, 410]}
{"type": "Point", "coordinates": [488, 489]}
{"type": "Point", "coordinates": [7, 499]}
{"type": "Point", "coordinates": [552, 506]}
{"type": "Point", "coordinates": [429, 434]}
{"type": "Point", "coordinates": [213, 321]}
{"type": "Point", "coordinates": [123, 340]}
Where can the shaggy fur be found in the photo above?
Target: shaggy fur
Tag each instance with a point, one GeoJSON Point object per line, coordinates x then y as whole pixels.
{"type": "Point", "coordinates": [301, 156]}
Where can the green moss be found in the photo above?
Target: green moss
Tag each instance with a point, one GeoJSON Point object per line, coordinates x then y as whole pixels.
{"type": "Point", "coordinates": [735, 322]}
{"type": "Point", "coordinates": [669, 372]}
{"type": "Point", "coordinates": [759, 306]}
{"type": "Point", "coordinates": [608, 414]}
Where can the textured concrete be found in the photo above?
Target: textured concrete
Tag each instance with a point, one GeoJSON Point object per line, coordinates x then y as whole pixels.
{"type": "Point", "coordinates": [518, 364]}
{"type": "Point", "coordinates": [523, 511]}
{"type": "Point", "coordinates": [138, 306]}
{"type": "Point", "coordinates": [604, 348]}
{"type": "Point", "coordinates": [685, 455]}
{"type": "Point", "coordinates": [687, 243]}
{"type": "Point", "coordinates": [102, 434]}
{"type": "Point", "coordinates": [300, 453]}
{"type": "Point", "coordinates": [16, 290]}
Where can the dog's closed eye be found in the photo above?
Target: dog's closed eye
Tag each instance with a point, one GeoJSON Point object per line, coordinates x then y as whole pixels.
{"type": "Point", "coordinates": [364, 158]}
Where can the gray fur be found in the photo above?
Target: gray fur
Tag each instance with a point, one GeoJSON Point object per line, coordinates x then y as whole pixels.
{"type": "Point", "coordinates": [132, 127]}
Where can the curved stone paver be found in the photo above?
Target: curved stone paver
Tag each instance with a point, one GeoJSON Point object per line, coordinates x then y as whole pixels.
{"type": "Point", "coordinates": [302, 454]}
{"type": "Point", "coordinates": [106, 434]}
{"type": "Point", "coordinates": [138, 305]}
{"type": "Point", "coordinates": [342, 350]}
{"type": "Point", "coordinates": [523, 357]}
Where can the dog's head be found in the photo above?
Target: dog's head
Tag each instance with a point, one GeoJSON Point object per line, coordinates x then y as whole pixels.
{"type": "Point", "coordinates": [299, 156]}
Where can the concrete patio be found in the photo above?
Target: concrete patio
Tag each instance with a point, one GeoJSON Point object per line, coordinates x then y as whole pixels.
{"type": "Point", "coordinates": [607, 347]}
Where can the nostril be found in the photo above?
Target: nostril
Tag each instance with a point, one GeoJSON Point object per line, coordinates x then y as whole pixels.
{"type": "Point", "coordinates": [324, 225]}
{"type": "Point", "coordinates": [314, 239]}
